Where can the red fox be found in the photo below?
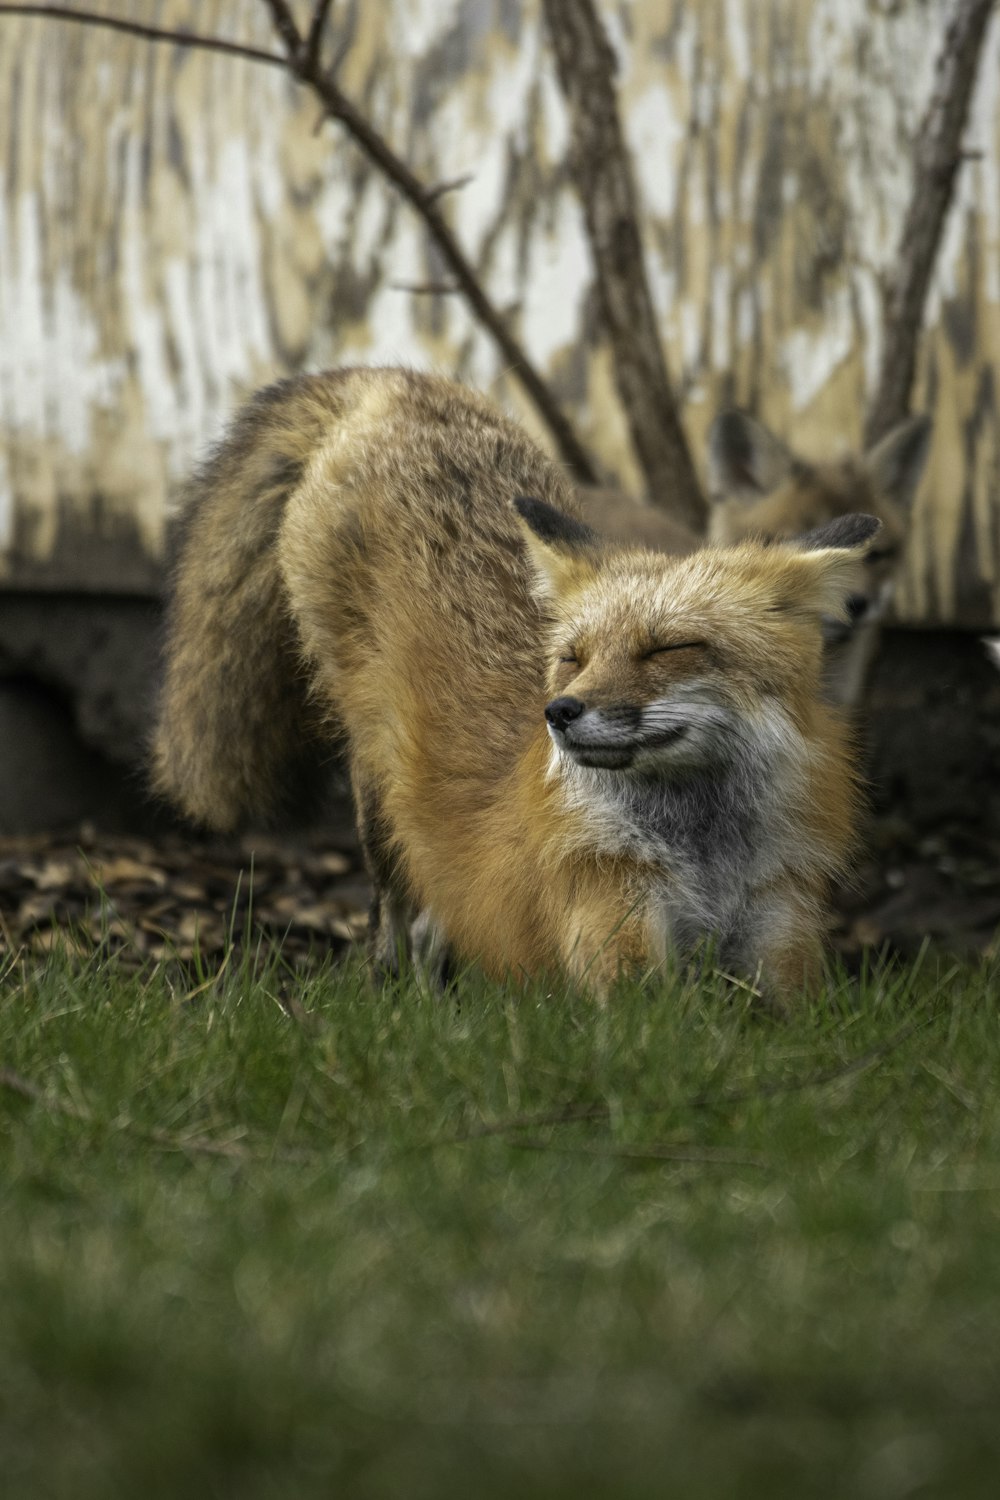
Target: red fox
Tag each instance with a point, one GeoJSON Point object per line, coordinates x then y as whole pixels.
{"type": "Point", "coordinates": [760, 488]}
{"type": "Point", "coordinates": [565, 755]}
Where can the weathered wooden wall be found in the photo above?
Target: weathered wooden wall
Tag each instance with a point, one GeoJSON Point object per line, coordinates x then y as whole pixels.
{"type": "Point", "coordinates": [173, 232]}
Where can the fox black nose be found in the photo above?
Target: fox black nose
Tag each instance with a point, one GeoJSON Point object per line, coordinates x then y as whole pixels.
{"type": "Point", "coordinates": [562, 711]}
{"type": "Point", "coordinates": [857, 604]}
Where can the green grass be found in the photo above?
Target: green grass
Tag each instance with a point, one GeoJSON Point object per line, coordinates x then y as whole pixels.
{"type": "Point", "coordinates": [342, 1251]}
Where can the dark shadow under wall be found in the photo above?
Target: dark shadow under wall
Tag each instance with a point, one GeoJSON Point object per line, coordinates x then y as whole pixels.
{"type": "Point", "coordinates": [933, 732]}
{"type": "Point", "coordinates": [50, 779]}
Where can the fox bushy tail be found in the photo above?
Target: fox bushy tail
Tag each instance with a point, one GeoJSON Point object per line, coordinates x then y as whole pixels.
{"type": "Point", "coordinates": [236, 735]}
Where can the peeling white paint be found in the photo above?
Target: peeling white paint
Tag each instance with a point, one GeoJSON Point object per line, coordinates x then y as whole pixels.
{"type": "Point", "coordinates": [481, 364]}
{"type": "Point", "coordinates": [144, 316]}
{"type": "Point", "coordinates": [738, 39]}
{"type": "Point", "coordinates": [685, 44]}
{"type": "Point", "coordinates": [270, 185]}
{"type": "Point", "coordinates": [662, 287]}
{"type": "Point", "coordinates": [51, 372]}
{"type": "Point", "coordinates": [505, 102]}
{"type": "Point", "coordinates": [721, 284]}
{"type": "Point", "coordinates": [745, 318]}
{"type": "Point", "coordinates": [504, 279]}
{"type": "Point", "coordinates": [810, 358]}
{"type": "Point", "coordinates": [231, 249]}
{"type": "Point", "coordinates": [866, 289]}
{"type": "Point", "coordinates": [332, 209]}
{"type": "Point", "coordinates": [369, 228]}
{"type": "Point", "coordinates": [422, 23]}
{"type": "Point", "coordinates": [478, 203]}
{"type": "Point", "coordinates": [690, 329]}
{"type": "Point", "coordinates": [389, 336]}
{"type": "Point", "coordinates": [555, 116]}
{"type": "Point", "coordinates": [654, 132]}
{"type": "Point", "coordinates": [559, 273]}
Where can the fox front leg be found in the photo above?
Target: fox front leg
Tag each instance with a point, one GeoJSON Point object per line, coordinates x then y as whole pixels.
{"type": "Point", "coordinates": [396, 936]}
{"type": "Point", "coordinates": [432, 956]}
{"type": "Point", "coordinates": [390, 915]}
{"type": "Point", "coordinates": [787, 957]}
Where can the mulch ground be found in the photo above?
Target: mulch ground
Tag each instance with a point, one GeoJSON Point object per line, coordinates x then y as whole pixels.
{"type": "Point", "coordinates": [175, 897]}
{"type": "Point", "coordinates": [191, 899]}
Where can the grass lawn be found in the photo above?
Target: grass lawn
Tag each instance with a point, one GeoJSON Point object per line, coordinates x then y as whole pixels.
{"type": "Point", "coordinates": [286, 1237]}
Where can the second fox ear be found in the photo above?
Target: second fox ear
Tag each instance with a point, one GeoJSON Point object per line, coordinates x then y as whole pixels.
{"type": "Point", "coordinates": [896, 464]}
{"type": "Point", "coordinates": [845, 531]}
{"type": "Point", "coordinates": [745, 459]}
{"type": "Point", "coordinates": [560, 548]}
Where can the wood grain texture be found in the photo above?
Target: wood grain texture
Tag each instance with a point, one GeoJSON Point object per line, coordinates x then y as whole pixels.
{"type": "Point", "coordinates": [173, 233]}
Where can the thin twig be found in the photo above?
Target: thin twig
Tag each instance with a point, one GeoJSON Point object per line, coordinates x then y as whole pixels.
{"type": "Point", "coordinates": [937, 158]}
{"type": "Point", "coordinates": [208, 983]}
{"type": "Point", "coordinates": [569, 1114]}
{"type": "Point", "coordinates": [717, 1156]}
{"type": "Point", "coordinates": [450, 185]}
{"type": "Point", "coordinates": [284, 25]}
{"type": "Point", "coordinates": [314, 39]}
{"type": "Point", "coordinates": [425, 288]}
{"type": "Point", "coordinates": [147, 33]}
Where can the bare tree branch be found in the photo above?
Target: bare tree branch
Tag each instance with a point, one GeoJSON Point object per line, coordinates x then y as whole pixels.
{"type": "Point", "coordinates": [147, 33]}
{"type": "Point", "coordinates": [425, 201]}
{"type": "Point", "coordinates": [937, 157]}
{"type": "Point", "coordinates": [602, 171]}
{"type": "Point", "coordinates": [426, 288]}
{"type": "Point", "coordinates": [450, 185]}
{"type": "Point", "coordinates": [314, 40]}
{"type": "Point", "coordinates": [284, 25]}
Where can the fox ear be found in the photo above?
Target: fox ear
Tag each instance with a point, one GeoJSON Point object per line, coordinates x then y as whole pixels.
{"type": "Point", "coordinates": [896, 464]}
{"type": "Point", "coordinates": [559, 546]}
{"type": "Point", "coordinates": [844, 532]}
{"type": "Point", "coordinates": [827, 564]}
{"type": "Point", "coordinates": [745, 459]}
{"type": "Point", "coordinates": [554, 526]}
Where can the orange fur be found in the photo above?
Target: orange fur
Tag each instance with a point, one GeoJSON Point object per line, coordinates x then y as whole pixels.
{"type": "Point", "coordinates": [429, 619]}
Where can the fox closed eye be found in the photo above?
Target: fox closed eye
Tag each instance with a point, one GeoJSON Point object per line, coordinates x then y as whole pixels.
{"type": "Point", "coordinates": [673, 646]}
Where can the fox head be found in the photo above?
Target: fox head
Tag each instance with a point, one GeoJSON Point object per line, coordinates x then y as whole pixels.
{"type": "Point", "coordinates": [660, 663]}
{"type": "Point", "coordinates": [760, 488]}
